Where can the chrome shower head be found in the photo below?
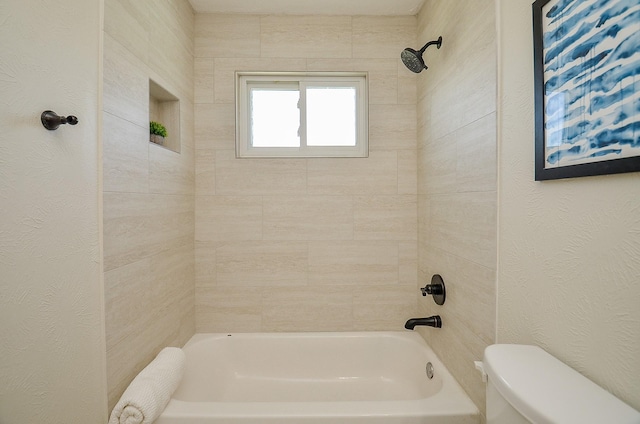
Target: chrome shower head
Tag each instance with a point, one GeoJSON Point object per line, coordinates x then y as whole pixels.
{"type": "Point", "coordinates": [413, 60]}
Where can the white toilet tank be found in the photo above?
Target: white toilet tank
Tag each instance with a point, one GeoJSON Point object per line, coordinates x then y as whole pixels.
{"type": "Point", "coordinates": [528, 385]}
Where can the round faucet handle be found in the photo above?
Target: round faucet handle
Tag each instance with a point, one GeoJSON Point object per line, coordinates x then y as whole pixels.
{"type": "Point", "coordinates": [435, 289]}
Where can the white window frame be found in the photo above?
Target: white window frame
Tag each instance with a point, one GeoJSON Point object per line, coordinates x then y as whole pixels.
{"type": "Point", "coordinates": [357, 80]}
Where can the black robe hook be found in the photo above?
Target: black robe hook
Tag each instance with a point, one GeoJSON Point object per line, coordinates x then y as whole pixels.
{"type": "Point", "coordinates": [52, 120]}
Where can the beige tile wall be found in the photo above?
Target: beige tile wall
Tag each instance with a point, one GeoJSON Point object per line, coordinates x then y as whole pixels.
{"type": "Point", "coordinates": [305, 244]}
{"type": "Point", "coordinates": [149, 191]}
{"type": "Point", "coordinates": [457, 189]}
{"type": "Point", "coordinates": [299, 244]}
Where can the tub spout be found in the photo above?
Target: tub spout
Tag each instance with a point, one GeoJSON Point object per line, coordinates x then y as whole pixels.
{"type": "Point", "coordinates": [433, 321]}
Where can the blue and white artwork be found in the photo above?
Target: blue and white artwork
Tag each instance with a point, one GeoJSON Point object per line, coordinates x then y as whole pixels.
{"type": "Point", "coordinates": [591, 62]}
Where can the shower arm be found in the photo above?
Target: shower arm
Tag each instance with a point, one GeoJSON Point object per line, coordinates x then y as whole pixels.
{"type": "Point", "coordinates": [431, 43]}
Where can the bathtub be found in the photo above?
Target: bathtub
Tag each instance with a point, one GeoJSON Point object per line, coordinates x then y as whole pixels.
{"type": "Point", "coordinates": [315, 378]}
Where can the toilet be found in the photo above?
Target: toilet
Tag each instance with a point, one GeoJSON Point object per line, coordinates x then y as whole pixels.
{"type": "Point", "coordinates": [527, 385]}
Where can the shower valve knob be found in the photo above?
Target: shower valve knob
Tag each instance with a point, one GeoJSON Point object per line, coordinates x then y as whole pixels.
{"type": "Point", "coordinates": [431, 289]}
{"type": "Point", "coordinates": [435, 289]}
{"type": "Point", "coordinates": [51, 120]}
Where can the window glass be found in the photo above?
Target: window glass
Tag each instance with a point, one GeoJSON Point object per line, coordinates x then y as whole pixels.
{"type": "Point", "coordinates": [331, 116]}
{"type": "Point", "coordinates": [275, 118]}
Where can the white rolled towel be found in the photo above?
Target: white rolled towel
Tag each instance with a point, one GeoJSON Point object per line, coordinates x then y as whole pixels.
{"type": "Point", "coordinates": [148, 394]}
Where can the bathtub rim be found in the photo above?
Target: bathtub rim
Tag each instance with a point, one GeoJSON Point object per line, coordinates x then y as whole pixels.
{"type": "Point", "coordinates": [451, 400]}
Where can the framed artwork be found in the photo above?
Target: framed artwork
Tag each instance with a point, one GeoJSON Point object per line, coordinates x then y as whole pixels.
{"type": "Point", "coordinates": [587, 87]}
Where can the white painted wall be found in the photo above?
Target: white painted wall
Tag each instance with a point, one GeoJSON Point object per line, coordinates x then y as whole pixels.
{"type": "Point", "coordinates": [310, 7]}
{"type": "Point", "coordinates": [569, 250]}
{"type": "Point", "coordinates": [52, 354]}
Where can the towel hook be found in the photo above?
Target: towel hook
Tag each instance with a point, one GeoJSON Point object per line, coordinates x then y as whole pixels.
{"type": "Point", "coordinates": [52, 120]}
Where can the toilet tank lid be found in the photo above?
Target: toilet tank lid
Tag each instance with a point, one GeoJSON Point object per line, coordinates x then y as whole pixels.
{"type": "Point", "coordinates": [546, 391]}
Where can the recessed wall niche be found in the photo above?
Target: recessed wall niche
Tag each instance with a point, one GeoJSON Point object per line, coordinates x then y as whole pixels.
{"type": "Point", "coordinates": [164, 107]}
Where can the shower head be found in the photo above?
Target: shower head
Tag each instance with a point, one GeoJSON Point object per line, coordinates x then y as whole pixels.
{"type": "Point", "coordinates": [413, 60]}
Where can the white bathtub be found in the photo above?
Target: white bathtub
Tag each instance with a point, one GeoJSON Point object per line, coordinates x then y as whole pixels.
{"type": "Point", "coordinates": [315, 378]}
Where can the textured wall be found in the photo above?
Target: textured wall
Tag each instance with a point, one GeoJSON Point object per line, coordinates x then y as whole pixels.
{"type": "Point", "coordinates": [305, 244]}
{"type": "Point", "coordinates": [52, 360]}
{"type": "Point", "coordinates": [457, 181]}
{"type": "Point", "coordinates": [569, 249]}
{"type": "Point", "coordinates": [148, 190]}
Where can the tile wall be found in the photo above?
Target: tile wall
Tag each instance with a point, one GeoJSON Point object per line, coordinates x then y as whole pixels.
{"type": "Point", "coordinates": [299, 244]}
{"type": "Point", "coordinates": [148, 190]}
{"type": "Point", "coordinates": [305, 244]}
{"type": "Point", "coordinates": [457, 189]}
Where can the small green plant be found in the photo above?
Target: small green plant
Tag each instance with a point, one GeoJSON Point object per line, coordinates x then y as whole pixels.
{"type": "Point", "coordinates": [157, 128]}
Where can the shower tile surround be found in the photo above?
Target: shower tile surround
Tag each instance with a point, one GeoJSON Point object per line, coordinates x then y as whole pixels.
{"type": "Point", "coordinates": [149, 191]}
{"type": "Point", "coordinates": [457, 188]}
{"type": "Point", "coordinates": [298, 244]}
{"type": "Point", "coordinates": [305, 244]}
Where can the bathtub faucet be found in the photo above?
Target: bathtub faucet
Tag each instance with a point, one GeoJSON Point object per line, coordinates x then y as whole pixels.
{"type": "Point", "coordinates": [433, 321]}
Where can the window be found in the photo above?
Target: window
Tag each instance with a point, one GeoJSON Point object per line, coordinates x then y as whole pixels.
{"type": "Point", "coordinates": [301, 114]}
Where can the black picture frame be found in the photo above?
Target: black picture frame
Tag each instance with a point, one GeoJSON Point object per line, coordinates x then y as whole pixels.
{"type": "Point", "coordinates": [542, 171]}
